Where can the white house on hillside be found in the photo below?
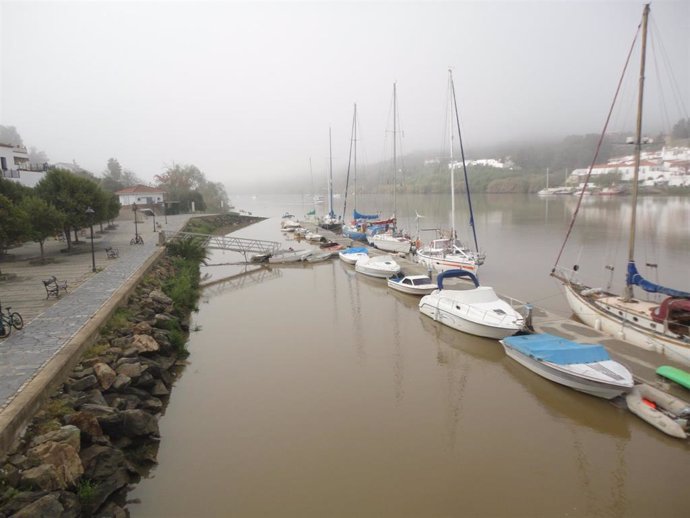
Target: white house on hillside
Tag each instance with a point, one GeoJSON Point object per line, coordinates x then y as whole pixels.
{"type": "Point", "coordinates": [15, 166]}
{"type": "Point", "coordinates": [141, 195]}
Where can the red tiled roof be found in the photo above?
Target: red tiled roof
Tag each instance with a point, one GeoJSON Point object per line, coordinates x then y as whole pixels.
{"type": "Point", "coordinates": [137, 189]}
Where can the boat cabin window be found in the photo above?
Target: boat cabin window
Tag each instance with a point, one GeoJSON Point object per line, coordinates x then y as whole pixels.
{"type": "Point", "coordinates": [499, 311]}
{"type": "Point", "coordinates": [407, 281]}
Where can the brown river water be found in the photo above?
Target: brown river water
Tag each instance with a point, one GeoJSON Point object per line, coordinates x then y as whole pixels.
{"type": "Point", "coordinates": [315, 392]}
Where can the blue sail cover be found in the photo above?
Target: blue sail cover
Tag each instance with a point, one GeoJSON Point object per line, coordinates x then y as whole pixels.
{"type": "Point", "coordinates": [634, 278]}
{"type": "Point", "coordinates": [554, 349]}
{"type": "Point", "coordinates": [356, 215]}
{"type": "Point", "coordinates": [456, 273]}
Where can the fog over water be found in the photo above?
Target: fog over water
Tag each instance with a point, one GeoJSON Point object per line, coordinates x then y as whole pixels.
{"type": "Point", "coordinates": [246, 91]}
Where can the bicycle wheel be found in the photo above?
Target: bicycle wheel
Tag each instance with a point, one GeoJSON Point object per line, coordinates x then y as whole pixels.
{"type": "Point", "coordinates": [5, 329]}
{"type": "Point", "coordinates": [17, 320]}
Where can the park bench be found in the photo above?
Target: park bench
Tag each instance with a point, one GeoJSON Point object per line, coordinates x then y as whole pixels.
{"type": "Point", "coordinates": [112, 253]}
{"type": "Point", "coordinates": [53, 287]}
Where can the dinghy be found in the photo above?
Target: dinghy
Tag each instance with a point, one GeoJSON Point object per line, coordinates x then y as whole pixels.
{"type": "Point", "coordinates": [352, 254]}
{"type": "Point", "coordinates": [663, 411]}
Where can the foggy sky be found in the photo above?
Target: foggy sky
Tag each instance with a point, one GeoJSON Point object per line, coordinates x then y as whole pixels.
{"type": "Point", "coordinates": [246, 91]}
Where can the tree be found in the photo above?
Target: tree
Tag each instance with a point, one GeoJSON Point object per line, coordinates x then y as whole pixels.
{"type": "Point", "coordinates": [37, 157]}
{"type": "Point", "coordinates": [681, 129]}
{"type": "Point", "coordinates": [71, 195]}
{"type": "Point", "coordinates": [10, 135]}
{"type": "Point", "coordinates": [185, 184]}
{"type": "Point", "coordinates": [115, 178]}
{"type": "Point", "coordinates": [44, 220]}
{"type": "Point", "coordinates": [14, 226]}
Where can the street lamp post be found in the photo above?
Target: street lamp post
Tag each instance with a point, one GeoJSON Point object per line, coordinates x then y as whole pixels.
{"type": "Point", "coordinates": [165, 212]}
{"type": "Point", "coordinates": [136, 229]}
{"type": "Point", "coordinates": [90, 212]}
{"type": "Point", "coordinates": [154, 220]}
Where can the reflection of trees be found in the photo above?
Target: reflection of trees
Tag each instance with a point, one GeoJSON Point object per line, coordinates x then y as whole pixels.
{"type": "Point", "coordinates": [240, 280]}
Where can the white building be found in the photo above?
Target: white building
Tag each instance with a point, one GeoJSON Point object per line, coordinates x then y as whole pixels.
{"type": "Point", "coordinates": [142, 195]}
{"type": "Point", "coordinates": [15, 166]}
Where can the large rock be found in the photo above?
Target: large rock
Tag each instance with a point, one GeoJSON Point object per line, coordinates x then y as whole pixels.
{"type": "Point", "coordinates": [63, 456]}
{"type": "Point", "coordinates": [121, 382]}
{"type": "Point", "coordinates": [92, 397]}
{"type": "Point", "coordinates": [132, 370]}
{"type": "Point", "coordinates": [67, 434]}
{"type": "Point", "coordinates": [43, 477]}
{"type": "Point", "coordinates": [87, 424]}
{"type": "Point", "coordinates": [105, 374]}
{"type": "Point", "coordinates": [160, 297]}
{"type": "Point", "coordinates": [48, 506]}
{"type": "Point", "coordinates": [106, 468]}
{"type": "Point", "coordinates": [145, 344]}
{"type": "Point", "coordinates": [142, 328]}
{"type": "Point", "coordinates": [85, 383]}
{"type": "Point", "coordinates": [130, 423]}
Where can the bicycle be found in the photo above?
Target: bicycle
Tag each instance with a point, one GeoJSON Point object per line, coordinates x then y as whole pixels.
{"type": "Point", "coordinates": [137, 240]}
{"type": "Point", "coordinates": [8, 321]}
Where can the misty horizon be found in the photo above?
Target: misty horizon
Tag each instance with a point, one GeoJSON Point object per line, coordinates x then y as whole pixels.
{"type": "Point", "coordinates": [247, 91]}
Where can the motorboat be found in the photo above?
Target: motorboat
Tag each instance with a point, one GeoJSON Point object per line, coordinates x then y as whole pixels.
{"type": "Point", "coordinates": [289, 225]}
{"type": "Point", "coordinates": [447, 254]}
{"type": "Point", "coordinates": [587, 368]}
{"type": "Point", "coordinates": [389, 242]}
{"type": "Point", "coordinates": [478, 311]}
{"type": "Point", "coordinates": [352, 254]}
{"type": "Point", "coordinates": [312, 236]}
{"type": "Point", "coordinates": [412, 284]}
{"type": "Point", "coordinates": [382, 266]}
{"type": "Point", "coordinates": [289, 256]}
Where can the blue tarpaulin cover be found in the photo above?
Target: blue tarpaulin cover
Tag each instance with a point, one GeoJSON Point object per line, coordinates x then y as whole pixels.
{"type": "Point", "coordinates": [359, 215]}
{"type": "Point", "coordinates": [554, 349]}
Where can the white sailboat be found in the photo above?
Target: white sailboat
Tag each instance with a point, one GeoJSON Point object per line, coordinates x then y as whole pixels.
{"type": "Point", "coordinates": [663, 327]}
{"type": "Point", "coordinates": [391, 240]}
{"type": "Point", "coordinates": [330, 221]}
{"type": "Point", "coordinates": [447, 253]}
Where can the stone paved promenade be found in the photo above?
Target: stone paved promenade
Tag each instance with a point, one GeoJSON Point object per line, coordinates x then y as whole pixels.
{"type": "Point", "coordinates": [51, 323]}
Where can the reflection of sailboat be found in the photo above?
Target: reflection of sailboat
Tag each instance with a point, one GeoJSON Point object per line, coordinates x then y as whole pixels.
{"type": "Point", "coordinates": [447, 253]}
{"type": "Point", "coordinates": [662, 327]}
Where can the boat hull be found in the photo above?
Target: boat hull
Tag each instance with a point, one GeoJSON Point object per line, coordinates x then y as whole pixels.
{"type": "Point", "coordinates": [391, 244]}
{"type": "Point", "coordinates": [474, 320]}
{"type": "Point", "coordinates": [442, 263]}
{"type": "Point", "coordinates": [552, 373]}
{"type": "Point", "coordinates": [638, 332]}
{"type": "Point", "coordinates": [410, 289]}
{"type": "Point", "coordinates": [377, 267]}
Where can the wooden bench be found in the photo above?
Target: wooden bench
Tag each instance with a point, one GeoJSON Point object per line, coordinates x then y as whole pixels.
{"type": "Point", "coordinates": [53, 287]}
{"type": "Point", "coordinates": [112, 253]}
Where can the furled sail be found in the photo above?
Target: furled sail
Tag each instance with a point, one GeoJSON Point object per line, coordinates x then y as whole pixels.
{"type": "Point", "coordinates": [356, 215]}
{"type": "Point", "coordinates": [634, 278]}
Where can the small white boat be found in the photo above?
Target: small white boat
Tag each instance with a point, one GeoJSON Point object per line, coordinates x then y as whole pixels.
{"type": "Point", "coordinates": [412, 284]}
{"type": "Point", "coordinates": [391, 243]}
{"type": "Point", "coordinates": [663, 411]}
{"type": "Point", "coordinates": [353, 254]}
{"type": "Point", "coordinates": [584, 367]}
{"type": "Point", "coordinates": [289, 256]}
{"type": "Point", "coordinates": [319, 256]}
{"type": "Point", "coordinates": [477, 311]}
{"type": "Point", "coordinates": [382, 266]}
{"type": "Point", "coordinates": [289, 225]}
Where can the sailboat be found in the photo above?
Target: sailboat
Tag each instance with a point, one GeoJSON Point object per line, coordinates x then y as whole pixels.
{"type": "Point", "coordinates": [388, 238]}
{"type": "Point", "coordinates": [357, 228]}
{"type": "Point", "coordinates": [663, 327]}
{"type": "Point", "coordinates": [446, 252]}
{"type": "Point", "coordinates": [330, 221]}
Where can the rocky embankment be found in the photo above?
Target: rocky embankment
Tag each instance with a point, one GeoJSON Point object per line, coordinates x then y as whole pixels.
{"type": "Point", "coordinates": [99, 432]}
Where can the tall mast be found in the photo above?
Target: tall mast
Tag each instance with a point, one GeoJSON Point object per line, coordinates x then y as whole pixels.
{"type": "Point", "coordinates": [354, 157]}
{"type": "Point", "coordinates": [453, 235]}
{"type": "Point", "coordinates": [353, 137]}
{"type": "Point", "coordinates": [330, 175]}
{"type": "Point", "coordinates": [628, 293]}
{"type": "Point", "coordinates": [395, 165]}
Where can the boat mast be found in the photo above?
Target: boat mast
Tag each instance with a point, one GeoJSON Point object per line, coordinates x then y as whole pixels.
{"type": "Point", "coordinates": [353, 142]}
{"type": "Point", "coordinates": [330, 176]}
{"type": "Point", "coordinates": [395, 165]}
{"type": "Point", "coordinates": [451, 165]}
{"type": "Point", "coordinates": [628, 293]}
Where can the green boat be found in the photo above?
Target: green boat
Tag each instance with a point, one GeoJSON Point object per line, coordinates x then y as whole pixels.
{"type": "Point", "coordinates": [677, 375]}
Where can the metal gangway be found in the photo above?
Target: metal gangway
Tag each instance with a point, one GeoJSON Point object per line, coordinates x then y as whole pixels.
{"type": "Point", "coordinates": [234, 244]}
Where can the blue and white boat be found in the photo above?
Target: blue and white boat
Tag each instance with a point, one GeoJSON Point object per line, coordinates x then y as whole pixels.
{"type": "Point", "coordinates": [584, 367]}
{"type": "Point", "coordinates": [352, 254]}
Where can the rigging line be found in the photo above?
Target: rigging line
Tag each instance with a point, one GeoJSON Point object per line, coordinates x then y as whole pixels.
{"type": "Point", "coordinates": [675, 89]}
{"type": "Point", "coordinates": [349, 161]}
{"type": "Point", "coordinates": [666, 120]}
{"type": "Point", "coordinates": [596, 153]}
{"type": "Point", "coordinates": [464, 166]}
